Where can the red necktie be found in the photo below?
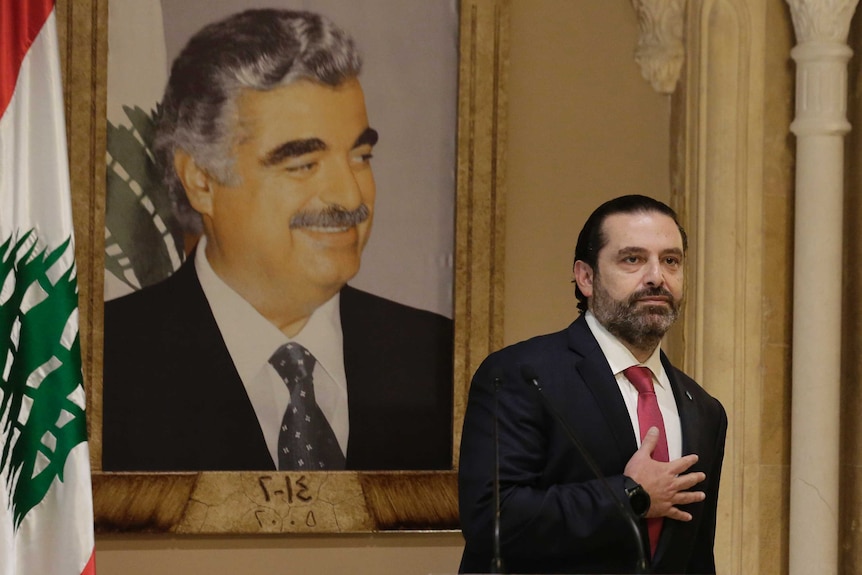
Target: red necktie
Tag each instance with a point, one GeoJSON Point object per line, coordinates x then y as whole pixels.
{"type": "Point", "coordinates": [649, 415]}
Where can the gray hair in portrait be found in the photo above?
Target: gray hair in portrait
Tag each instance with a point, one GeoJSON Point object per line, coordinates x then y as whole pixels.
{"type": "Point", "coordinates": [254, 49]}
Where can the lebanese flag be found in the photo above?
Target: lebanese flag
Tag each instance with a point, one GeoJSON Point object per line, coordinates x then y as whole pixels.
{"type": "Point", "coordinates": [46, 503]}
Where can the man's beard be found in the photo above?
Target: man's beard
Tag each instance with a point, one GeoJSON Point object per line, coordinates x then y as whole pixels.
{"type": "Point", "coordinates": [640, 325]}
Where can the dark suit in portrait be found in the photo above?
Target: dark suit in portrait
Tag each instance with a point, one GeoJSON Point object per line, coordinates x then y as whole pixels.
{"type": "Point", "coordinates": [173, 400]}
{"type": "Point", "coordinates": [556, 516]}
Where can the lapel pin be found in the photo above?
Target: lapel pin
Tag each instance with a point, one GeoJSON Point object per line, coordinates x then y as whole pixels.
{"type": "Point", "coordinates": [688, 395]}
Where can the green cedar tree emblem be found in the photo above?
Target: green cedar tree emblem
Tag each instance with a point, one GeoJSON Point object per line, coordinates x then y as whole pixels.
{"type": "Point", "coordinates": [41, 384]}
{"type": "Point", "coordinates": [139, 218]}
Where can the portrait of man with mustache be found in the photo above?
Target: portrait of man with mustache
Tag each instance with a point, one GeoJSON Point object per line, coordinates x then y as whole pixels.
{"type": "Point", "coordinates": [256, 354]}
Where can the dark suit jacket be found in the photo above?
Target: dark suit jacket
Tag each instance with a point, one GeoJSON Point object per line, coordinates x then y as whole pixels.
{"type": "Point", "coordinates": [556, 516]}
{"type": "Point", "coordinates": [173, 399]}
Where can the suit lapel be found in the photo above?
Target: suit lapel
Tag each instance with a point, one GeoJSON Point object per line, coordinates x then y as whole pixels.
{"type": "Point", "coordinates": [363, 401]}
{"type": "Point", "coordinates": [597, 376]}
{"type": "Point", "coordinates": [685, 406]}
{"type": "Point", "coordinates": [211, 374]}
{"type": "Point", "coordinates": [690, 430]}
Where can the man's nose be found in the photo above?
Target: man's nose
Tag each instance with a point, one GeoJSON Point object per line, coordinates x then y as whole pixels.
{"type": "Point", "coordinates": [342, 187]}
{"type": "Point", "coordinates": [654, 274]}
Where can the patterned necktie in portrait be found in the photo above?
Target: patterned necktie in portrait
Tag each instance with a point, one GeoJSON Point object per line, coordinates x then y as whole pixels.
{"type": "Point", "coordinates": [305, 440]}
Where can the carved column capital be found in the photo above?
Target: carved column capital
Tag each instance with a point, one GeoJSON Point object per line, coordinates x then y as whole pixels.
{"type": "Point", "coordinates": [821, 56]}
{"type": "Point", "coordinates": [660, 51]}
{"type": "Point", "coordinates": [822, 21]}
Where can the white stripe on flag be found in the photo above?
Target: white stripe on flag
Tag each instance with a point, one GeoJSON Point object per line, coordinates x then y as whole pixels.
{"type": "Point", "coordinates": [33, 146]}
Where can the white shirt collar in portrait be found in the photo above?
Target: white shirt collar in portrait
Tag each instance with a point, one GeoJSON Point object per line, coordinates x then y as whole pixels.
{"type": "Point", "coordinates": [251, 339]}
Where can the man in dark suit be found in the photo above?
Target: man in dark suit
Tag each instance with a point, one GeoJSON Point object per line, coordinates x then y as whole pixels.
{"type": "Point", "coordinates": [658, 444]}
{"type": "Point", "coordinates": [256, 348]}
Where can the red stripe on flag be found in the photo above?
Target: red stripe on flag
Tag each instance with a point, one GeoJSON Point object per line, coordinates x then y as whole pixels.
{"type": "Point", "coordinates": [20, 23]}
{"type": "Point", "coordinates": [90, 568]}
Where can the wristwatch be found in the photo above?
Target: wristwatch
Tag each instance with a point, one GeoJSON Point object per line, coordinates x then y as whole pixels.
{"type": "Point", "coordinates": [638, 497]}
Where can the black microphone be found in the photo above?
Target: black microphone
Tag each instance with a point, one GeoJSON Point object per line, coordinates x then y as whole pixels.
{"type": "Point", "coordinates": [529, 374]}
{"type": "Point", "coordinates": [497, 559]}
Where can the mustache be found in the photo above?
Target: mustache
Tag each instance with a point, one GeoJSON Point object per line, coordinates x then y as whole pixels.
{"type": "Point", "coordinates": [330, 217]}
{"type": "Point", "coordinates": [651, 292]}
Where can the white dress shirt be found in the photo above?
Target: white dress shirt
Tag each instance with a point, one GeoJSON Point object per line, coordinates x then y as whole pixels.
{"type": "Point", "coordinates": [620, 359]}
{"type": "Point", "coordinates": [251, 339]}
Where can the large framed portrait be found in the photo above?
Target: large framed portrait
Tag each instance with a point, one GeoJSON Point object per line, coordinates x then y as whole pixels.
{"type": "Point", "coordinates": [433, 81]}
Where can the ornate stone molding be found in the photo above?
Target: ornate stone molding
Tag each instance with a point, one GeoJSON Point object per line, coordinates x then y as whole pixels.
{"type": "Point", "coordinates": [822, 20]}
{"type": "Point", "coordinates": [660, 51]}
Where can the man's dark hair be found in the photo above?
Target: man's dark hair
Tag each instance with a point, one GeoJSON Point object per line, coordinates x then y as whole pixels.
{"type": "Point", "coordinates": [254, 49]}
{"type": "Point", "coordinates": [592, 237]}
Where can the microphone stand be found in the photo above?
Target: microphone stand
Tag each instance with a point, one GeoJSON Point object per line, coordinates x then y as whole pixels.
{"type": "Point", "coordinates": [642, 566]}
{"type": "Point", "coordinates": [497, 559]}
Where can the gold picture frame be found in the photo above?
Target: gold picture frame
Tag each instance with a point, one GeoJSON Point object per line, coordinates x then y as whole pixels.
{"type": "Point", "coordinates": [288, 502]}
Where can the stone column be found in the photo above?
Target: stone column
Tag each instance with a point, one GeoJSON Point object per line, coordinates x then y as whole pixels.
{"type": "Point", "coordinates": [821, 56]}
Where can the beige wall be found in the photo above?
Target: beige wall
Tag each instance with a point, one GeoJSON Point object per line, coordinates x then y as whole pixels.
{"type": "Point", "coordinates": [584, 127]}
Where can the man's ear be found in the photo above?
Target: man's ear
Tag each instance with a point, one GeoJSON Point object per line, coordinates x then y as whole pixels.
{"type": "Point", "coordinates": [196, 181]}
{"type": "Point", "coordinates": [583, 273]}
